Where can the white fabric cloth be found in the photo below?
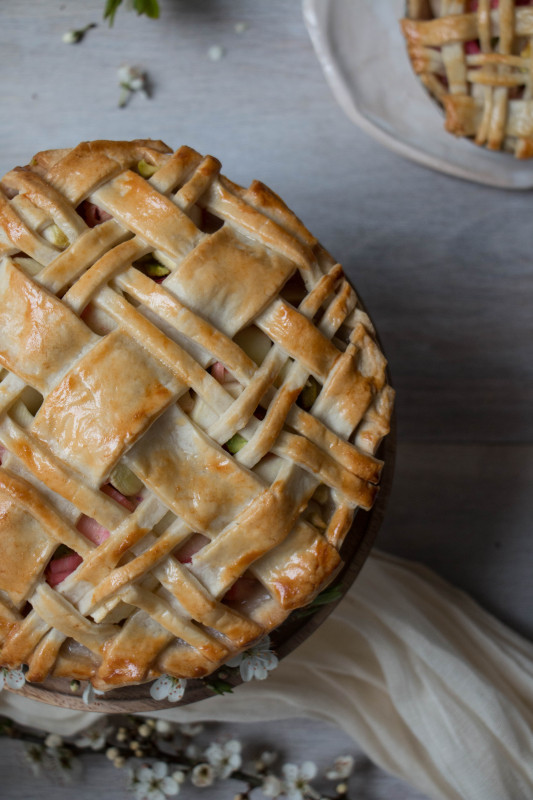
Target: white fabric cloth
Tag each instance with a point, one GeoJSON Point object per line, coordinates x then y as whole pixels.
{"type": "Point", "coordinates": [431, 686]}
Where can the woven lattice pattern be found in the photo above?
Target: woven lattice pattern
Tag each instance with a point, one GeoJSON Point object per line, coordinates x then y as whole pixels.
{"type": "Point", "coordinates": [105, 368]}
{"type": "Point", "coordinates": [476, 59]}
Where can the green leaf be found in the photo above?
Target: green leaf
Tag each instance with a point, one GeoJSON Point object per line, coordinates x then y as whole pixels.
{"type": "Point", "coordinates": [219, 686]}
{"type": "Point", "coordinates": [329, 595]}
{"type": "Point", "coordinates": [236, 443]}
{"type": "Point", "coordinates": [6, 726]}
{"type": "Point", "coordinates": [111, 7]}
{"type": "Point", "coordinates": [148, 7]}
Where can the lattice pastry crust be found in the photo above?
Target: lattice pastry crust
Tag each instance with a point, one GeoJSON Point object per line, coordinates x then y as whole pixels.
{"type": "Point", "coordinates": [476, 58]}
{"type": "Point", "coordinates": [249, 335]}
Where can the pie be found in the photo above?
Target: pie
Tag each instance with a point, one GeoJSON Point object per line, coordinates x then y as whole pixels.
{"type": "Point", "coordinates": [476, 58]}
{"type": "Point", "coordinates": [191, 398]}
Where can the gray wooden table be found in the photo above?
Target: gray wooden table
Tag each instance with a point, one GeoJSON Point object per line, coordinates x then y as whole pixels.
{"type": "Point", "coordinates": [445, 268]}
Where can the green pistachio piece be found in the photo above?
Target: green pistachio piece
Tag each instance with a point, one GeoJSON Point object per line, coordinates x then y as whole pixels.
{"type": "Point", "coordinates": [155, 270]}
{"type": "Point", "coordinates": [236, 443]}
{"type": "Point", "coordinates": [55, 235]}
{"type": "Point", "coordinates": [146, 169]}
{"type": "Point", "coordinates": [125, 481]}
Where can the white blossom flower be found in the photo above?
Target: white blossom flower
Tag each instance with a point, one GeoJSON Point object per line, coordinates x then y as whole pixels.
{"type": "Point", "coordinates": [191, 728]}
{"type": "Point", "coordinates": [163, 727]}
{"type": "Point", "coordinates": [272, 786]}
{"type": "Point", "coordinates": [266, 759]}
{"type": "Point", "coordinates": [95, 738]}
{"type": "Point", "coordinates": [14, 678]}
{"type": "Point", "coordinates": [90, 693]}
{"type": "Point", "coordinates": [203, 775]}
{"type": "Point", "coordinates": [193, 752]}
{"type": "Point", "coordinates": [154, 783]}
{"type": "Point", "coordinates": [64, 764]}
{"type": "Point", "coordinates": [167, 686]}
{"type": "Point", "coordinates": [34, 754]}
{"type": "Point", "coordinates": [256, 662]}
{"type": "Point", "coordinates": [225, 758]}
{"type": "Point", "coordinates": [75, 36]}
{"type": "Point", "coordinates": [71, 37]}
{"type": "Point", "coordinates": [53, 741]}
{"type": "Point", "coordinates": [132, 780]}
{"type": "Point", "coordinates": [269, 757]}
{"type": "Point", "coordinates": [216, 52]}
{"type": "Point", "coordinates": [136, 747]}
{"type": "Point", "coordinates": [296, 780]}
{"type": "Point", "coordinates": [131, 79]}
{"type": "Point", "coordinates": [342, 768]}
{"type": "Point", "coordinates": [178, 776]}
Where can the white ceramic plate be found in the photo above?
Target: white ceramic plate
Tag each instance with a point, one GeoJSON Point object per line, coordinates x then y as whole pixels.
{"type": "Point", "coordinates": [363, 55]}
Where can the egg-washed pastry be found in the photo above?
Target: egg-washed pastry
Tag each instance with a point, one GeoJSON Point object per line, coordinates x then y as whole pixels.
{"type": "Point", "coordinates": [475, 57]}
{"type": "Point", "coordinates": [191, 398]}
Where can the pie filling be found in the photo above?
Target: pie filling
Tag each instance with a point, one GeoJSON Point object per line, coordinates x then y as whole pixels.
{"type": "Point", "coordinates": [92, 214]}
{"type": "Point", "coordinates": [64, 561]}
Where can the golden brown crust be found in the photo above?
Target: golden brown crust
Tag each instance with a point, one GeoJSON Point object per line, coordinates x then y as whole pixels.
{"type": "Point", "coordinates": [123, 366]}
{"type": "Point", "coordinates": [477, 62]}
